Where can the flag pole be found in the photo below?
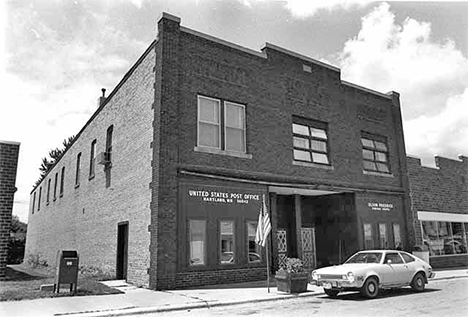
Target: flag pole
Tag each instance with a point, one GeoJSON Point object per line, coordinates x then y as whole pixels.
{"type": "Point", "coordinates": [268, 265]}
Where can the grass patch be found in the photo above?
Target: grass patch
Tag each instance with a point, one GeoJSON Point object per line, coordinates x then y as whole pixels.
{"type": "Point", "coordinates": [19, 286]}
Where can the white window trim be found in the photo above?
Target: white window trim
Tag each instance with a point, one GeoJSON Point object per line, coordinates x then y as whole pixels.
{"type": "Point", "coordinates": [225, 126]}
{"type": "Point", "coordinates": [441, 216]}
{"type": "Point", "coordinates": [198, 122]}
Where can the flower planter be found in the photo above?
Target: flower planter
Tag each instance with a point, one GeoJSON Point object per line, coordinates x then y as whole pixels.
{"type": "Point", "coordinates": [292, 282]}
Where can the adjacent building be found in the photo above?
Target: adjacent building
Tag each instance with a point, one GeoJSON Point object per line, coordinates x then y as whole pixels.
{"type": "Point", "coordinates": [164, 183]}
{"type": "Point", "coordinates": [9, 152]}
{"type": "Point", "coordinates": [439, 198]}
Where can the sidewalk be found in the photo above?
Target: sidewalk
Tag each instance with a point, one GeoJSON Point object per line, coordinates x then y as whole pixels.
{"type": "Point", "coordinates": [141, 301]}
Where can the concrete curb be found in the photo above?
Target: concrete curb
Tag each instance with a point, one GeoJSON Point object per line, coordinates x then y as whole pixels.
{"type": "Point", "coordinates": [148, 310]}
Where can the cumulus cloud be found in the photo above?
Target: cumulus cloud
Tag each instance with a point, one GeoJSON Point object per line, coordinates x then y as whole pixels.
{"type": "Point", "coordinates": [431, 77]}
{"type": "Point", "coordinates": [304, 8]}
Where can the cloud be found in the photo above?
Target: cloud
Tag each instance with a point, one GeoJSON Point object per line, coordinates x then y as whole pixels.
{"type": "Point", "coordinates": [304, 8]}
{"type": "Point", "coordinates": [431, 77]}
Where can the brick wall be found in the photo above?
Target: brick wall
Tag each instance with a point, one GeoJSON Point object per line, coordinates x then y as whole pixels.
{"type": "Point", "coordinates": [273, 87]}
{"type": "Point", "coordinates": [9, 152]}
{"type": "Point", "coordinates": [440, 189]}
{"type": "Point", "coordinates": [85, 218]}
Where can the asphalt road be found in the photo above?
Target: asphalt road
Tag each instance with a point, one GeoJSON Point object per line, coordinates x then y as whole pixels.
{"type": "Point", "coordinates": [441, 298]}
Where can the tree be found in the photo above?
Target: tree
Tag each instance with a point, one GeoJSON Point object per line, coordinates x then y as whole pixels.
{"type": "Point", "coordinates": [17, 240]}
{"type": "Point", "coordinates": [54, 156]}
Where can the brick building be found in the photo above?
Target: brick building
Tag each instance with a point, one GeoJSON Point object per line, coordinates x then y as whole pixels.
{"type": "Point", "coordinates": [164, 183]}
{"type": "Point", "coordinates": [440, 209]}
{"type": "Point", "coordinates": [9, 152]}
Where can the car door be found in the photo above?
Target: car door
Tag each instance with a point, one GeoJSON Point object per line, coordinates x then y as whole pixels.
{"type": "Point", "coordinates": [396, 271]}
{"type": "Point", "coordinates": [411, 264]}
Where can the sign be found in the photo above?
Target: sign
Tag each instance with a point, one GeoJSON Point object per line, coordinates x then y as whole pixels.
{"type": "Point", "coordinates": [223, 197]}
{"type": "Point", "coordinates": [380, 206]}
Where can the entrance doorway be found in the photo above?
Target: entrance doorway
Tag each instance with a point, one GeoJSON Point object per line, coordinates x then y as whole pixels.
{"type": "Point", "coordinates": [122, 250]}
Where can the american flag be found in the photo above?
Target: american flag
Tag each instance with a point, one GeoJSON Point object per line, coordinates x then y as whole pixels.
{"type": "Point", "coordinates": [264, 226]}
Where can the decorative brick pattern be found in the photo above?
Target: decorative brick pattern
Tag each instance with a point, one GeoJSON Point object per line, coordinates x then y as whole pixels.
{"type": "Point", "coordinates": [9, 152]}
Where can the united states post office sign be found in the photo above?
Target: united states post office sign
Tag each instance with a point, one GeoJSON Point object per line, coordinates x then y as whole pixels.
{"type": "Point", "coordinates": [224, 197]}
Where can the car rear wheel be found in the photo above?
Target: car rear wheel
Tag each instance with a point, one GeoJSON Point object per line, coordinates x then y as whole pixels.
{"type": "Point", "coordinates": [331, 292]}
{"type": "Point", "coordinates": [418, 282]}
{"type": "Point", "coordinates": [370, 289]}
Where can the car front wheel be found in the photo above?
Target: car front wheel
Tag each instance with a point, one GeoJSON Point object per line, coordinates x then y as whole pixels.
{"type": "Point", "coordinates": [331, 292]}
{"type": "Point", "coordinates": [418, 282]}
{"type": "Point", "coordinates": [370, 289]}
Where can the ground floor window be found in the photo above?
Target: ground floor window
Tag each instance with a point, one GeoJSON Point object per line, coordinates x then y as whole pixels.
{"type": "Point", "coordinates": [226, 239]}
{"type": "Point", "coordinates": [383, 235]}
{"type": "Point", "coordinates": [255, 251]}
{"type": "Point", "coordinates": [197, 243]}
{"type": "Point", "coordinates": [368, 240]}
{"type": "Point", "coordinates": [444, 237]}
{"type": "Point", "coordinates": [397, 236]}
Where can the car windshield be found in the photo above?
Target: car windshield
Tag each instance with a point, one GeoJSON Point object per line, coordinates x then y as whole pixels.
{"type": "Point", "coordinates": [365, 257]}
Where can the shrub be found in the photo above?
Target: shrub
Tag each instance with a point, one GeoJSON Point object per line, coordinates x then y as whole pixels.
{"type": "Point", "coordinates": [293, 265]}
{"type": "Point", "coordinates": [35, 260]}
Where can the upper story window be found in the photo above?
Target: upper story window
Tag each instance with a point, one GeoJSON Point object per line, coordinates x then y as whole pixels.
{"type": "Point", "coordinates": [310, 141]}
{"type": "Point", "coordinates": [48, 190]}
{"type": "Point", "coordinates": [92, 159]}
{"type": "Point", "coordinates": [34, 202]}
{"type": "Point", "coordinates": [62, 180]}
{"type": "Point", "coordinates": [110, 131]}
{"type": "Point", "coordinates": [221, 125]}
{"type": "Point", "coordinates": [39, 200]}
{"type": "Point", "coordinates": [78, 169]}
{"type": "Point", "coordinates": [55, 186]}
{"type": "Point", "coordinates": [375, 154]}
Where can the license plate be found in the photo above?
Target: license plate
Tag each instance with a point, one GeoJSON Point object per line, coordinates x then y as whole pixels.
{"type": "Point", "coordinates": [327, 285]}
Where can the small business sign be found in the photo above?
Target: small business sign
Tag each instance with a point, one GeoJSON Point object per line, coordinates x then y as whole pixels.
{"type": "Point", "coordinates": [223, 197]}
{"type": "Point", "coordinates": [380, 206]}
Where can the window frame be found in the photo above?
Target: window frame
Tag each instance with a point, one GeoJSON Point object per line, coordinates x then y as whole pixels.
{"type": "Point", "coordinates": [235, 257]}
{"type": "Point", "coordinates": [39, 200]}
{"type": "Point", "coordinates": [222, 125]}
{"type": "Point", "coordinates": [55, 186]}
{"type": "Point", "coordinates": [109, 139]}
{"type": "Point", "coordinates": [310, 125]}
{"type": "Point", "coordinates": [62, 181]}
{"type": "Point", "coordinates": [34, 202]}
{"type": "Point", "coordinates": [383, 236]}
{"type": "Point", "coordinates": [396, 242]}
{"type": "Point", "coordinates": [48, 191]}
{"type": "Point", "coordinates": [92, 159]}
{"type": "Point", "coordinates": [205, 239]}
{"type": "Point", "coordinates": [371, 240]}
{"type": "Point", "coordinates": [374, 149]}
{"type": "Point", "coordinates": [258, 249]}
{"type": "Point", "coordinates": [78, 170]}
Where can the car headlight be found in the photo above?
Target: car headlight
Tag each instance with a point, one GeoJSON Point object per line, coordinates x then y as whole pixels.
{"type": "Point", "coordinates": [314, 275]}
{"type": "Point", "coordinates": [350, 276]}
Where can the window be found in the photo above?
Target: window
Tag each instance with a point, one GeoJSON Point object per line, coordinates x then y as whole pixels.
{"type": "Point", "coordinates": [254, 254]}
{"type": "Point", "coordinates": [197, 242]}
{"type": "Point", "coordinates": [92, 159]}
{"type": "Point", "coordinates": [383, 235]}
{"type": "Point", "coordinates": [78, 167]}
{"type": "Point", "coordinates": [310, 141]}
{"type": "Point", "coordinates": [55, 186]}
{"type": "Point", "coordinates": [375, 154]}
{"type": "Point", "coordinates": [368, 240]}
{"type": "Point", "coordinates": [443, 237]}
{"type": "Point", "coordinates": [227, 134]}
{"type": "Point", "coordinates": [34, 202]}
{"type": "Point", "coordinates": [408, 258]}
{"type": "Point", "coordinates": [226, 235]}
{"type": "Point", "coordinates": [62, 179]}
{"type": "Point", "coordinates": [397, 236]}
{"type": "Point", "coordinates": [39, 200]}
{"type": "Point", "coordinates": [394, 257]}
{"type": "Point", "coordinates": [48, 190]}
{"type": "Point", "coordinates": [110, 131]}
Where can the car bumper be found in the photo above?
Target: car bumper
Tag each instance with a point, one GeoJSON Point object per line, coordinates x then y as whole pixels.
{"type": "Point", "coordinates": [340, 284]}
{"type": "Point", "coordinates": [432, 275]}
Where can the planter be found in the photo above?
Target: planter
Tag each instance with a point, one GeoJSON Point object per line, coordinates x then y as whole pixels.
{"type": "Point", "coordinates": [292, 282]}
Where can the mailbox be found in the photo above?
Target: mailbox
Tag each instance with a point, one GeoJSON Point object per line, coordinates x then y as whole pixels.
{"type": "Point", "coordinates": [67, 270]}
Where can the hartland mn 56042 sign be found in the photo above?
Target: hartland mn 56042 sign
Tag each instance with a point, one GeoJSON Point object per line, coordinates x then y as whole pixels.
{"type": "Point", "coordinates": [224, 197]}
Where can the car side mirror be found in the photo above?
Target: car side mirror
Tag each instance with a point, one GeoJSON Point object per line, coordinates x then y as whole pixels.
{"type": "Point", "coordinates": [389, 262]}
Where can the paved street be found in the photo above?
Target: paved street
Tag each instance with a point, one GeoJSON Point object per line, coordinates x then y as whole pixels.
{"type": "Point", "coordinates": [441, 298]}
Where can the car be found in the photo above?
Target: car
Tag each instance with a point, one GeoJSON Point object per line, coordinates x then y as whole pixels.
{"type": "Point", "coordinates": [371, 270]}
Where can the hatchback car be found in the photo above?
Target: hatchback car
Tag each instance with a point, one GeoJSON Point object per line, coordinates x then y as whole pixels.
{"type": "Point", "coordinates": [369, 271]}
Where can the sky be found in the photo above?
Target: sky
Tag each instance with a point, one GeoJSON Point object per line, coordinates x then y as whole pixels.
{"type": "Point", "coordinates": [56, 55]}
